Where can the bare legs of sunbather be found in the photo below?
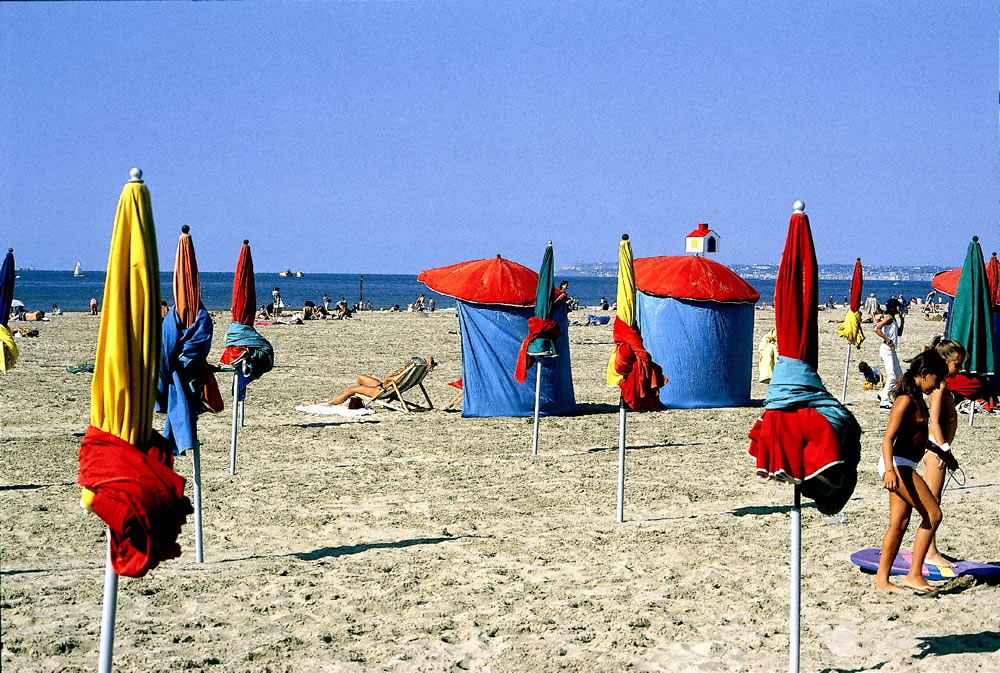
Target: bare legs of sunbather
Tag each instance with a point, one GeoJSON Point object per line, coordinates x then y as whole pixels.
{"type": "Point", "coordinates": [367, 385]}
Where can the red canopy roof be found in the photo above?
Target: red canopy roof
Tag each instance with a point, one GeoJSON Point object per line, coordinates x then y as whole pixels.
{"type": "Point", "coordinates": [946, 282]}
{"type": "Point", "coordinates": [484, 281]}
{"type": "Point", "coordinates": [692, 277]}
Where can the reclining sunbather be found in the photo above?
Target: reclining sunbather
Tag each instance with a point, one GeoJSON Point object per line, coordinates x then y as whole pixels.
{"type": "Point", "coordinates": [371, 386]}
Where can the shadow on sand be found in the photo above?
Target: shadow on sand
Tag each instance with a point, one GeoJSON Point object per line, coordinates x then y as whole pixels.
{"type": "Point", "coordinates": [347, 550]}
{"type": "Point", "coordinates": [32, 487]}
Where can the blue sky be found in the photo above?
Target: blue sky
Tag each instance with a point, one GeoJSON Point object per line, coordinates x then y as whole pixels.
{"type": "Point", "coordinates": [387, 137]}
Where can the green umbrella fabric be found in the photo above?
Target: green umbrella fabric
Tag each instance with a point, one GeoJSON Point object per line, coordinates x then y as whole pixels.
{"type": "Point", "coordinates": [541, 346]}
{"type": "Point", "coordinates": [970, 319]}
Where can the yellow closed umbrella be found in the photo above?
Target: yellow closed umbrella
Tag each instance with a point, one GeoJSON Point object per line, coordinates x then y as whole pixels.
{"type": "Point", "coordinates": [128, 343]}
{"type": "Point", "coordinates": [126, 470]}
{"type": "Point", "coordinates": [625, 301]}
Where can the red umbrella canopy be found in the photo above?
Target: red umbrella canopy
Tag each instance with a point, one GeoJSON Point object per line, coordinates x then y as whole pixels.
{"type": "Point", "coordinates": [796, 294]}
{"type": "Point", "coordinates": [946, 282]}
{"type": "Point", "coordinates": [244, 290]}
{"type": "Point", "coordinates": [484, 281]}
{"type": "Point", "coordinates": [692, 277]}
{"type": "Point", "coordinates": [993, 279]}
{"type": "Point", "coordinates": [857, 281]}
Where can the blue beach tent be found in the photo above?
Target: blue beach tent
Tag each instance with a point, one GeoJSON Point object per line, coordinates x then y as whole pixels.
{"type": "Point", "coordinates": [696, 319]}
{"type": "Point", "coordinates": [495, 299]}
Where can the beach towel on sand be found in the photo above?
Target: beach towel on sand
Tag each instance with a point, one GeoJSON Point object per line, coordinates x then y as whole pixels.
{"type": "Point", "coordinates": [324, 409]}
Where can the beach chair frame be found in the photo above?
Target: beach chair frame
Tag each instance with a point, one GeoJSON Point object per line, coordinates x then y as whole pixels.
{"type": "Point", "coordinates": [394, 396]}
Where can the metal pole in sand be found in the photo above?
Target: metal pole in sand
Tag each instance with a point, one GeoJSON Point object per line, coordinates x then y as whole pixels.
{"type": "Point", "coordinates": [538, 395]}
{"type": "Point", "coordinates": [236, 404]}
{"type": "Point", "coordinates": [196, 464]}
{"type": "Point", "coordinates": [108, 617]}
{"type": "Point", "coordinates": [847, 368]}
{"type": "Point", "coordinates": [242, 407]}
{"type": "Point", "coordinates": [795, 603]}
{"type": "Point", "coordinates": [621, 460]}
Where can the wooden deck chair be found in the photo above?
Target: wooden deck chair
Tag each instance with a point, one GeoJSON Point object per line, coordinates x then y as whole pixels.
{"type": "Point", "coordinates": [394, 396]}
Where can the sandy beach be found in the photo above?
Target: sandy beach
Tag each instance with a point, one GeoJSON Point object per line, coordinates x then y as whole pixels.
{"type": "Point", "coordinates": [431, 542]}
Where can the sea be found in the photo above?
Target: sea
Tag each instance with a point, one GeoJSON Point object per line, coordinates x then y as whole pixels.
{"type": "Point", "coordinates": [39, 290]}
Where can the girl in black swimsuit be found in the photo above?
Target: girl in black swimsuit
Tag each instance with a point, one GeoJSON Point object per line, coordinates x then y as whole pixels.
{"type": "Point", "coordinates": [902, 448]}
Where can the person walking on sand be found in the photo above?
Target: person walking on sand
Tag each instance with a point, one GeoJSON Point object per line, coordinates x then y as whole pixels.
{"type": "Point", "coordinates": [276, 300]}
{"type": "Point", "coordinates": [942, 423]}
{"type": "Point", "coordinates": [904, 443]}
{"type": "Point", "coordinates": [871, 307]}
{"type": "Point", "coordinates": [93, 306]}
{"type": "Point", "coordinates": [887, 330]}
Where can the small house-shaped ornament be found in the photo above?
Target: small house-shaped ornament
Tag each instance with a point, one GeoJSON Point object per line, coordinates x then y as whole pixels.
{"type": "Point", "coordinates": [702, 240]}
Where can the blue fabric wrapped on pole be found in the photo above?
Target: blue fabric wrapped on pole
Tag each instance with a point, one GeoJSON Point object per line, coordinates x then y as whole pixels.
{"type": "Point", "coordinates": [491, 340]}
{"type": "Point", "coordinates": [182, 364]}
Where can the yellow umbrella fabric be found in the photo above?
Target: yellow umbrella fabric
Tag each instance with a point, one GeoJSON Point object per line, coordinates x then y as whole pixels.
{"type": "Point", "coordinates": [625, 299]}
{"type": "Point", "coordinates": [128, 343]}
{"type": "Point", "coordinates": [8, 350]}
{"type": "Point", "coordinates": [850, 329]}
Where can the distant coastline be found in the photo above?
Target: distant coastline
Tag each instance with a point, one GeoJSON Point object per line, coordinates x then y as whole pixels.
{"type": "Point", "coordinates": [886, 272]}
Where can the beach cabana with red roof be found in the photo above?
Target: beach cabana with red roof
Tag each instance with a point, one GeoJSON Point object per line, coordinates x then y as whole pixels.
{"type": "Point", "coordinates": [696, 319]}
{"type": "Point", "coordinates": [495, 299]}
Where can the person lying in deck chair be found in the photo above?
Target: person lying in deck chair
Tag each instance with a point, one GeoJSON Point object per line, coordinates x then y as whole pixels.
{"type": "Point", "coordinates": [370, 387]}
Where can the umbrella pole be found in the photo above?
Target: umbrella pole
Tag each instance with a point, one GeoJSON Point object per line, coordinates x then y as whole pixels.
{"type": "Point", "coordinates": [972, 411]}
{"type": "Point", "coordinates": [242, 404]}
{"type": "Point", "coordinates": [847, 368]}
{"type": "Point", "coordinates": [796, 585]}
{"type": "Point", "coordinates": [621, 460]}
{"type": "Point", "coordinates": [108, 616]}
{"type": "Point", "coordinates": [196, 464]}
{"type": "Point", "coordinates": [538, 397]}
{"type": "Point", "coordinates": [236, 404]}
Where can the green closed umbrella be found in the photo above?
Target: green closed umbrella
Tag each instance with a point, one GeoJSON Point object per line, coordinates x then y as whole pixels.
{"type": "Point", "coordinates": [970, 320]}
{"type": "Point", "coordinates": [542, 333]}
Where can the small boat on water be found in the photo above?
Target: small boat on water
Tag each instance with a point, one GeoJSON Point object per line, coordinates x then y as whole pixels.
{"type": "Point", "coordinates": [76, 271]}
{"type": "Point", "coordinates": [285, 274]}
{"type": "Point", "coordinates": [299, 274]}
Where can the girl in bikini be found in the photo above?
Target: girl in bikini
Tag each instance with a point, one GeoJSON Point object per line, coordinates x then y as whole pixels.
{"type": "Point", "coordinates": [906, 439]}
{"type": "Point", "coordinates": [942, 424]}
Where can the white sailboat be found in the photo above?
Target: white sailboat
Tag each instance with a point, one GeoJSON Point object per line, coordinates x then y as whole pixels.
{"type": "Point", "coordinates": [76, 271]}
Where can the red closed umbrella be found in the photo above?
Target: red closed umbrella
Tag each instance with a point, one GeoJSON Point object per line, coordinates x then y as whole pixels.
{"type": "Point", "coordinates": [244, 305]}
{"type": "Point", "coordinates": [804, 435]}
{"type": "Point", "coordinates": [850, 329]}
{"type": "Point", "coordinates": [993, 280]}
{"type": "Point", "coordinates": [484, 281]}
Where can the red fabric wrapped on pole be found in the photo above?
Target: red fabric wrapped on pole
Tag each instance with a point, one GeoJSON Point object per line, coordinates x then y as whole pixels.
{"type": "Point", "coordinates": [537, 327]}
{"type": "Point", "coordinates": [138, 495]}
{"type": "Point", "coordinates": [244, 305]}
{"type": "Point", "coordinates": [641, 377]}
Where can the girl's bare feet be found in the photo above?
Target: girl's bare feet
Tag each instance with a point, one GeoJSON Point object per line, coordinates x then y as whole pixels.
{"type": "Point", "coordinates": [936, 558]}
{"type": "Point", "coordinates": [919, 585]}
{"type": "Point", "coordinates": [878, 585]}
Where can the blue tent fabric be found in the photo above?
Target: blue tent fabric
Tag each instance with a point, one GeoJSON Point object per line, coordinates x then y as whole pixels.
{"type": "Point", "coordinates": [491, 341]}
{"type": "Point", "coordinates": [182, 363]}
{"type": "Point", "coordinates": [704, 348]}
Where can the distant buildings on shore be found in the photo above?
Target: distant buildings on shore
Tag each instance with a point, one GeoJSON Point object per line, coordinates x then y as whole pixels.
{"type": "Point", "coordinates": [770, 271]}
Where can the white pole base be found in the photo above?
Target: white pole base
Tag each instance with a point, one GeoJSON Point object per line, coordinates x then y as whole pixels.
{"type": "Point", "coordinates": [108, 616]}
{"type": "Point", "coordinates": [196, 462]}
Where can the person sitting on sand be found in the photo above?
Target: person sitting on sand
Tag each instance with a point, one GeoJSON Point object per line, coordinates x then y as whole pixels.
{"type": "Point", "coordinates": [872, 376]}
{"type": "Point", "coordinates": [342, 311]}
{"type": "Point", "coordinates": [371, 386]}
{"type": "Point", "coordinates": [56, 310]}
{"type": "Point", "coordinates": [603, 304]}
